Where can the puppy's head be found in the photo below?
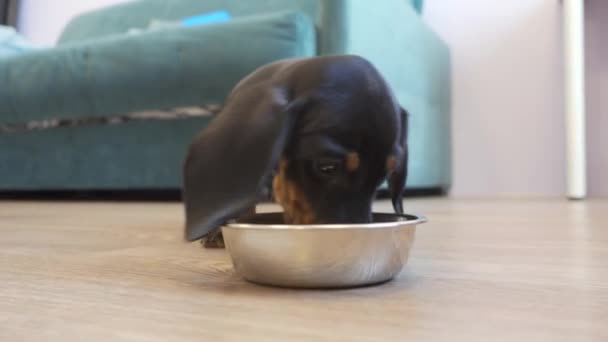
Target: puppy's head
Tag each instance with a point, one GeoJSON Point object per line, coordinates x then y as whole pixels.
{"type": "Point", "coordinates": [320, 140]}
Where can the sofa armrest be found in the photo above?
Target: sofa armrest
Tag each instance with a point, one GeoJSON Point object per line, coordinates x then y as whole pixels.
{"type": "Point", "coordinates": [393, 36]}
{"type": "Point", "coordinates": [161, 69]}
{"type": "Point", "coordinates": [415, 62]}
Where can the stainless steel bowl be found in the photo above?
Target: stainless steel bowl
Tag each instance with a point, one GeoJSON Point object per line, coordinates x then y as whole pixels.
{"type": "Point", "coordinates": [265, 251]}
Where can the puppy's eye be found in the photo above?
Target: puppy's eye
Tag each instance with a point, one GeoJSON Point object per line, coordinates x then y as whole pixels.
{"type": "Point", "coordinates": [327, 168]}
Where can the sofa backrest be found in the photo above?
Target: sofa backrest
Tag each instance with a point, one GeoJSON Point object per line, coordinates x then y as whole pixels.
{"type": "Point", "coordinates": [138, 14]}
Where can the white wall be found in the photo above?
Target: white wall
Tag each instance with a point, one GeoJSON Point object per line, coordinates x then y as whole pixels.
{"type": "Point", "coordinates": [507, 80]}
{"type": "Point", "coordinates": [508, 129]}
{"type": "Point", "coordinates": [41, 21]}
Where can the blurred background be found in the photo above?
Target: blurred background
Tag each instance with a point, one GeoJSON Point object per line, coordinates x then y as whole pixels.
{"type": "Point", "coordinates": [484, 82]}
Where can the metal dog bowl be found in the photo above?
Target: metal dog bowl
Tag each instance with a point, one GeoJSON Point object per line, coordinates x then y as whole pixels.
{"type": "Point", "coordinates": [265, 251]}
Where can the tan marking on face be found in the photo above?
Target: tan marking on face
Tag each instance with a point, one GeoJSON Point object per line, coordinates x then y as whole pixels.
{"type": "Point", "coordinates": [352, 161]}
{"type": "Point", "coordinates": [297, 209]}
{"type": "Point", "coordinates": [391, 164]}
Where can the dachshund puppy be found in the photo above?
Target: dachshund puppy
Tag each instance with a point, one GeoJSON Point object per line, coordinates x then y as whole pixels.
{"type": "Point", "coordinates": [319, 134]}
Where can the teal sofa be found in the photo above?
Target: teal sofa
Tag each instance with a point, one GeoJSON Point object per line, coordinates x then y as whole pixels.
{"type": "Point", "coordinates": [100, 66]}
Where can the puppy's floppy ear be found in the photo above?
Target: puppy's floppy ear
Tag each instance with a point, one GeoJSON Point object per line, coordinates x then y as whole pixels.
{"type": "Point", "coordinates": [398, 178]}
{"type": "Point", "coordinates": [228, 165]}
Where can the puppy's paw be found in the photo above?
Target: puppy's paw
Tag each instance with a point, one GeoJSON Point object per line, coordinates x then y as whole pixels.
{"type": "Point", "coordinates": [213, 240]}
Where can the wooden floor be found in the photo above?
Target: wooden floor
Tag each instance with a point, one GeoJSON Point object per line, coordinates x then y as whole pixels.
{"type": "Point", "coordinates": [481, 270]}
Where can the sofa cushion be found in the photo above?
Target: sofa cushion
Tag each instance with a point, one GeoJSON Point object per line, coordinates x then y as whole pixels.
{"type": "Point", "coordinates": [116, 20]}
{"type": "Point", "coordinates": [162, 69]}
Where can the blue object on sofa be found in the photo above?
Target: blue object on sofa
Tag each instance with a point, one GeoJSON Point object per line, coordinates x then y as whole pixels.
{"type": "Point", "coordinates": [206, 18]}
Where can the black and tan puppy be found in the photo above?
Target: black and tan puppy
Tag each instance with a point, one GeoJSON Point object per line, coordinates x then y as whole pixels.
{"type": "Point", "coordinates": [321, 134]}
